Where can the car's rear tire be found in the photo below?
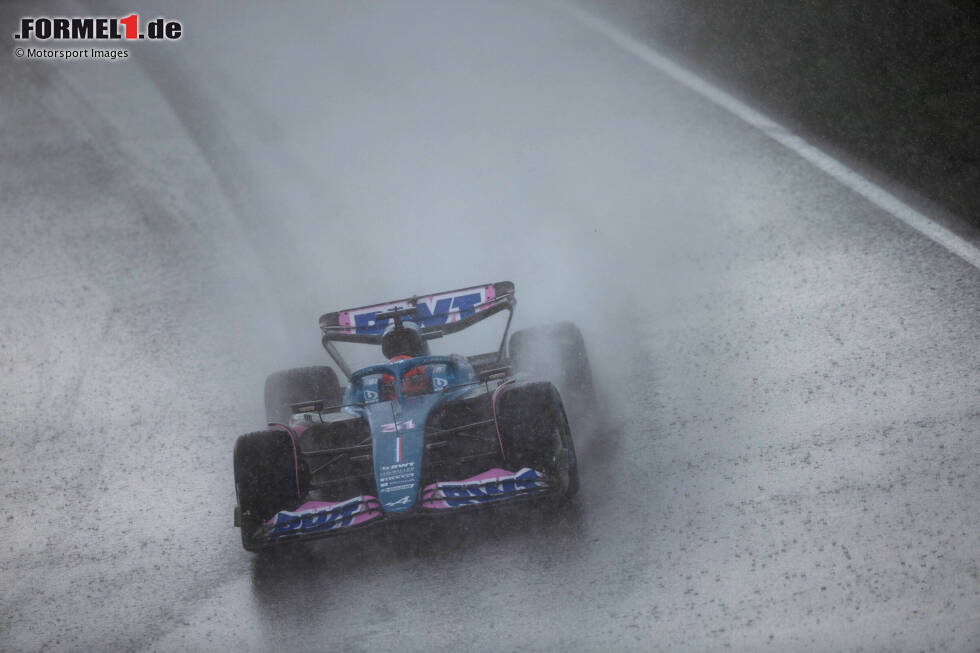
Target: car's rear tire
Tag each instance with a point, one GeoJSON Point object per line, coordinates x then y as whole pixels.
{"type": "Point", "coordinates": [270, 476]}
{"type": "Point", "coordinates": [535, 433]}
{"type": "Point", "coordinates": [299, 384]}
{"type": "Point", "coordinates": [556, 352]}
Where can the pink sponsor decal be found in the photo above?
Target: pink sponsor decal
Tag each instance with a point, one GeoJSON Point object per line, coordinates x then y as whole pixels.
{"type": "Point", "coordinates": [491, 485]}
{"type": "Point", "coordinates": [318, 516]}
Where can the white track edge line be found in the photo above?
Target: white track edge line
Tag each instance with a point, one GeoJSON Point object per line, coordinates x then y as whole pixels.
{"type": "Point", "coordinates": [849, 178]}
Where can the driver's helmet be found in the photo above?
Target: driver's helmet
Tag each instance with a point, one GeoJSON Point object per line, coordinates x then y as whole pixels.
{"type": "Point", "coordinates": [414, 382]}
{"type": "Point", "coordinates": [402, 343]}
{"type": "Point", "coordinates": [403, 340]}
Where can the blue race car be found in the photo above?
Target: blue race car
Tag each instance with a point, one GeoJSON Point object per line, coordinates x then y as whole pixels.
{"type": "Point", "coordinates": [417, 435]}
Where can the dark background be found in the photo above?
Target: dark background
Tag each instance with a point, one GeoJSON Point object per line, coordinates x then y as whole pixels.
{"type": "Point", "coordinates": [894, 86]}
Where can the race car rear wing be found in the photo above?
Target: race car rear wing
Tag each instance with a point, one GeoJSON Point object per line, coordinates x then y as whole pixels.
{"type": "Point", "coordinates": [438, 314]}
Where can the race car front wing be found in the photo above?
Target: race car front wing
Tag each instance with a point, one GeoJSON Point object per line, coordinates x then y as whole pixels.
{"type": "Point", "coordinates": [321, 518]}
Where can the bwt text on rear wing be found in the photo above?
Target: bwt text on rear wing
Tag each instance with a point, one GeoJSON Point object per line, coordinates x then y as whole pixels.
{"type": "Point", "coordinates": [437, 315]}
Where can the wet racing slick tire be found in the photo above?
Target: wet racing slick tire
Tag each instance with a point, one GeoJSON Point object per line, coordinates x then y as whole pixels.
{"type": "Point", "coordinates": [296, 385]}
{"type": "Point", "coordinates": [556, 352]}
{"type": "Point", "coordinates": [270, 476]}
{"type": "Point", "coordinates": [534, 433]}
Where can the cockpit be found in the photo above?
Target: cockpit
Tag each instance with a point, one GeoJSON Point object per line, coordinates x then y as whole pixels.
{"type": "Point", "coordinates": [407, 378]}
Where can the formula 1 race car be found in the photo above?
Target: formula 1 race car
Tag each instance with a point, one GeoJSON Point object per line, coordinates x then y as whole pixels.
{"type": "Point", "coordinates": [417, 435]}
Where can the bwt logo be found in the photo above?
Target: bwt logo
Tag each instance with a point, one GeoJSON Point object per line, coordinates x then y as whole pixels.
{"type": "Point", "coordinates": [465, 494]}
{"type": "Point", "coordinates": [324, 520]}
{"type": "Point", "coordinates": [446, 309]}
{"type": "Point", "coordinates": [45, 28]}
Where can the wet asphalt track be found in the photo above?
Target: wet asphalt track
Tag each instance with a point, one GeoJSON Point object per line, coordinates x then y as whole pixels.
{"type": "Point", "coordinates": [790, 460]}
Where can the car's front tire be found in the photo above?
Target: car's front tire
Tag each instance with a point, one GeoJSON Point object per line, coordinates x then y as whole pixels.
{"type": "Point", "coordinates": [535, 433]}
{"type": "Point", "coordinates": [269, 477]}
